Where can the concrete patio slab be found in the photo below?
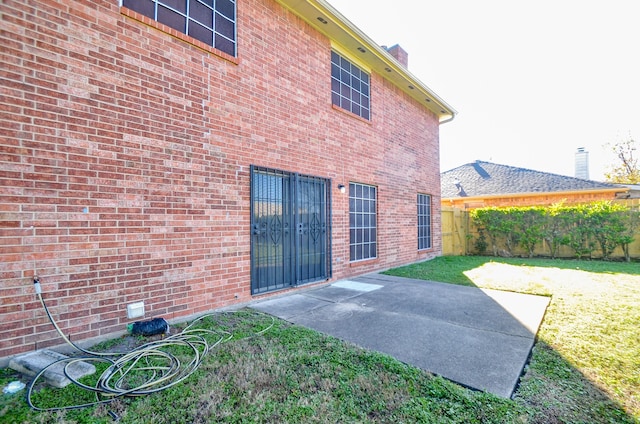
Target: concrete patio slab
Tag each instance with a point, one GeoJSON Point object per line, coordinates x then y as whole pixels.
{"type": "Point", "coordinates": [476, 337]}
{"type": "Point", "coordinates": [33, 363]}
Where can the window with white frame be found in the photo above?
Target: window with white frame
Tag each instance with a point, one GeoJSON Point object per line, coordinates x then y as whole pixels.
{"type": "Point", "coordinates": [211, 21]}
{"type": "Point", "coordinates": [424, 221]}
{"type": "Point", "coordinates": [362, 222]}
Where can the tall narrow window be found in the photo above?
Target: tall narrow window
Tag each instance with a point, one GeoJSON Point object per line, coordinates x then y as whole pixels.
{"type": "Point", "coordinates": [362, 222]}
{"type": "Point", "coordinates": [349, 86]}
{"type": "Point", "coordinates": [424, 221]}
{"type": "Point", "coordinates": [211, 21]}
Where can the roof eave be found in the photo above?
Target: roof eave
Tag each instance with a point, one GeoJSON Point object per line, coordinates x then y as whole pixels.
{"type": "Point", "coordinates": [536, 194]}
{"type": "Point", "coordinates": [327, 20]}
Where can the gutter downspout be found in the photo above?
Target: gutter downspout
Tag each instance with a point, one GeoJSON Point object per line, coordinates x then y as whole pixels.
{"type": "Point", "coordinates": [453, 115]}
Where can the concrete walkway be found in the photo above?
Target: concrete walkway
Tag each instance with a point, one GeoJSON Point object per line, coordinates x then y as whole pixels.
{"type": "Point", "coordinates": [476, 337]}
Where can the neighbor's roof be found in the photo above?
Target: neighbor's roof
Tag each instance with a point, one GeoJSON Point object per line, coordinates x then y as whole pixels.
{"type": "Point", "coordinates": [326, 19]}
{"type": "Point", "coordinates": [481, 179]}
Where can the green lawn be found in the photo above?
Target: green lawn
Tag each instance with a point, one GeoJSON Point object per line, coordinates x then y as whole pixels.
{"type": "Point", "coordinates": [585, 366]}
{"type": "Point", "coordinates": [584, 369]}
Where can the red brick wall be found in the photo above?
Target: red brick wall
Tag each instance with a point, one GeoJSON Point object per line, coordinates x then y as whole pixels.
{"type": "Point", "coordinates": [125, 157]}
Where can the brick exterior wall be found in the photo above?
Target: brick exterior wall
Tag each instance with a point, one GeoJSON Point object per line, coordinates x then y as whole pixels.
{"type": "Point", "coordinates": [125, 156]}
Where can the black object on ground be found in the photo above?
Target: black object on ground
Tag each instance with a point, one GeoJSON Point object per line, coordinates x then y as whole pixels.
{"type": "Point", "coordinates": [150, 327]}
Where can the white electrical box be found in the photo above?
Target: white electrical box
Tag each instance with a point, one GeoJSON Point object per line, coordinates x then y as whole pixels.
{"type": "Point", "coordinates": [135, 310]}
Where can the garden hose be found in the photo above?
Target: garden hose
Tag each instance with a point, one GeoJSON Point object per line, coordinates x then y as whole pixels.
{"type": "Point", "coordinates": [144, 370]}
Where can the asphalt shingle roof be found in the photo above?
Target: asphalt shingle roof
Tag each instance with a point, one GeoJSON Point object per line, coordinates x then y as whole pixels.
{"type": "Point", "coordinates": [485, 179]}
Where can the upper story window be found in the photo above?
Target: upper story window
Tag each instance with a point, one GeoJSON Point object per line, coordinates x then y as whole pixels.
{"type": "Point", "coordinates": [350, 88]}
{"type": "Point", "coordinates": [211, 21]}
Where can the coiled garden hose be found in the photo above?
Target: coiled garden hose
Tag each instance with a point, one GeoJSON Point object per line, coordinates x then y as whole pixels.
{"type": "Point", "coordinates": [147, 369]}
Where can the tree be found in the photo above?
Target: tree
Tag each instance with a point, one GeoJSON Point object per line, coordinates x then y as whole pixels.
{"type": "Point", "coordinates": [631, 221]}
{"type": "Point", "coordinates": [488, 220]}
{"type": "Point", "coordinates": [531, 227]}
{"type": "Point", "coordinates": [628, 170]}
{"type": "Point", "coordinates": [555, 227]}
{"type": "Point", "coordinates": [579, 236]}
{"type": "Point", "coordinates": [609, 226]}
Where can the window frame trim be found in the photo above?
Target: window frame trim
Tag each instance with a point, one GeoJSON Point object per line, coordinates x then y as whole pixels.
{"type": "Point", "coordinates": [376, 213]}
{"type": "Point", "coordinates": [130, 13]}
{"type": "Point", "coordinates": [430, 224]}
{"type": "Point", "coordinates": [365, 69]}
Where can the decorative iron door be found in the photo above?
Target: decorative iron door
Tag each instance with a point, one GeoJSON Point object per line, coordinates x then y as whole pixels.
{"type": "Point", "coordinates": [290, 232]}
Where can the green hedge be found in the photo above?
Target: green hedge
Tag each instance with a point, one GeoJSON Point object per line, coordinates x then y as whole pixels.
{"type": "Point", "coordinates": [600, 226]}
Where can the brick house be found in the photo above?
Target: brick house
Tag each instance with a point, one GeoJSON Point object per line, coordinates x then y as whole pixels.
{"type": "Point", "coordinates": [484, 184]}
{"type": "Point", "coordinates": [194, 158]}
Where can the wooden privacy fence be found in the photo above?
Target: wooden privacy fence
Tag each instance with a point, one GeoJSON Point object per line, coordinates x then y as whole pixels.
{"type": "Point", "coordinates": [459, 235]}
{"type": "Point", "coordinates": [455, 227]}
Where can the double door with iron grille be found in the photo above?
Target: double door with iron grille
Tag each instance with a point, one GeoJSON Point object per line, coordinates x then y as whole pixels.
{"type": "Point", "coordinates": [290, 229]}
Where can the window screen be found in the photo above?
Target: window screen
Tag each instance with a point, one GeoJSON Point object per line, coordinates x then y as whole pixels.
{"type": "Point", "coordinates": [424, 221]}
{"type": "Point", "coordinates": [349, 86]}
{"type": "Point", "coordinates": [362, 222]}
{"type": "Point", "coordinates": [211, 21]}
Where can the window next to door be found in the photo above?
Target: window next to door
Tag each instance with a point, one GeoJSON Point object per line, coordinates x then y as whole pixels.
{"type": "Point", "coordinates": [362, 222]}
{"type": "Point", "coordinates": [424, 221]}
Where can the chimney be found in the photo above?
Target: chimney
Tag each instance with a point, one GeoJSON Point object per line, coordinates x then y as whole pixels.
{"type": "Point", "coordinates": [399, 54]}
{"type": "Point", "coordinates": [582, 163]}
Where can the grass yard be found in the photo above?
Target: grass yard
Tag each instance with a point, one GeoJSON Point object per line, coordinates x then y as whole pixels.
{"type": "Point", "coordinates": [585, 367]}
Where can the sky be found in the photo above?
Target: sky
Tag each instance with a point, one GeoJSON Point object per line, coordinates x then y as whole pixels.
{"type": "Point", "coordinates": [532, 81]}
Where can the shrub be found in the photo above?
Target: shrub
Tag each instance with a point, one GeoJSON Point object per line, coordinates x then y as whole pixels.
{"type": "Point", "coordinates": [582, 228]}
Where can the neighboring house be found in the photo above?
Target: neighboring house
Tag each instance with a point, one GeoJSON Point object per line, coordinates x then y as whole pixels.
{"type": "Point", "coordinates": [191, 156]}
{"type": "Point", "coordinates": [482, 184]}
{"type": "Point", "coordinates": [632, 193]}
